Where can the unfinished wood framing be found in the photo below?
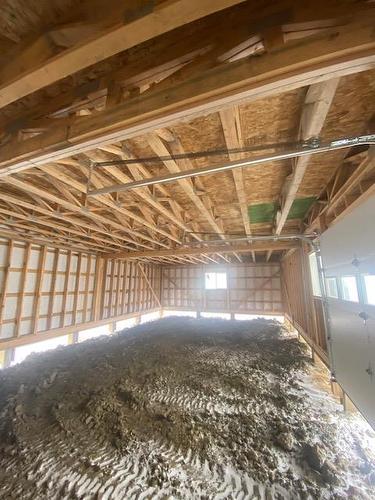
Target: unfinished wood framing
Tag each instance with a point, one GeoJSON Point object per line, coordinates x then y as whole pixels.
{"type": "Point", "coordinates": [302, 308]}
{"type": "Point", "coordinates": [49, 290]}
{"type": "Point", "coordinates": [99, 98]}
{"type": "Point", "coordinates": [251, 289]}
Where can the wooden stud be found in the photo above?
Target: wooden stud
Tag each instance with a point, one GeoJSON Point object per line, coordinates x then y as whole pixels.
{"type": "Point", "coordinates": [21, 295]}
{"type": "Point", "coordinates": [53, 288]}
{"type": "Point", "coordinates": [5, 280]}
{"type": "Point", "coordinates": [38, 290]}
{"type": "Point", "coordinates": [87, 285]}
{"type": "Point", "coordinates": [76, 288]}
{"type": "Point", "coordinates": [66, 288]}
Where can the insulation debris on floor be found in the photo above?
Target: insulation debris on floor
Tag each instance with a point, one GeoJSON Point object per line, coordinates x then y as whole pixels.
{"type": "Point", "coordinates": [179, 408]}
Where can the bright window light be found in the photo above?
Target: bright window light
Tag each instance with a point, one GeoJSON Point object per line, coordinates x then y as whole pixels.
{"type": "Point", "coordinates": [349, 288]}
{"type": "Point", "coordinates": [125, 323]}
{"type": "Point", "coordinates": [145, 318]}
{"type": "Point", "coordinates": [314, 274]}
{"type": "Point", "coordinates": [332, 290]}
{"type": "Point", "coordinates": [215, 281]}
{"type": "Point", "coordinates": [215, 315]}
{"type": "Point", "coordinates": [370, 288]}
{"type": "Point", "coordinates": [248, 317]}
{"type": "Point", "coordinates": [93, 333]}
{"type": "Point", "coordinates": [190, 314]}
{"type": "Point", "coordinates": [21, 353]}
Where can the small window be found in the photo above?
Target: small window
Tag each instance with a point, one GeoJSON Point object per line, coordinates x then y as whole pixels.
{"type": "Point", "coordinates": [349, 288]}
{"type": "Point", "coordinates": [332, 288]}
{"type": "Point", "coordinates": [370, 288]}
{"type": "Point", "coordinates": [215, 281]}
{"type": "Point", "coordinates": [314, 272]}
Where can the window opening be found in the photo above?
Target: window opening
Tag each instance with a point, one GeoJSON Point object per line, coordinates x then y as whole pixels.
{"type": "Point", "coordinates": [332, 290]}
{"type": "Point", "coordinates": [369, 280]}
{"type": "Point", "coordinates": [349, 288]}
{"type": "Point", "coordinates": [215, 281]}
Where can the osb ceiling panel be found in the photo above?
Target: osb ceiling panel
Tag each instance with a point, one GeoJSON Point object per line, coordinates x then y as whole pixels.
{"type": "Point", "coordinates": [352, 109]}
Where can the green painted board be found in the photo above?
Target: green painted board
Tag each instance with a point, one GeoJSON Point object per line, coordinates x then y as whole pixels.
{"type": "Point", "coordinates": [265, 212]}
{"type": "Point", "coordinates": [300, 207]}
{"type": "Point", "coordinates": [262, 212]}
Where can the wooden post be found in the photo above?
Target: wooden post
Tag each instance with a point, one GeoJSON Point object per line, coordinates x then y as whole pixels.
{"type": "Point", "coordinates": [129, 303]}
{"type": "Point", "coordinates": [161, 287]}
{"type": "Point", "coordinates": [120, 270]}
{"type": "Point", "coordinates": [21, 295]}
{"type": "Point", "coordinates": [66, 286]}
{"type": "Point", "coordinates": [38, 290]}
{"type": "Point", "coordinates": [111, 282]}
{"type": "Point", "coordinates": [5, 280]}
{"type": "Point", "coordinates": [99, 288]}
{"type": "Point", "coordinates": [76, 288]}
{"type": "Point", "coordinates": [87, 284]}
{"type": "Point", "coordinates": [52, 289]}
{"type": "Point", "coordinates": [123, 291]}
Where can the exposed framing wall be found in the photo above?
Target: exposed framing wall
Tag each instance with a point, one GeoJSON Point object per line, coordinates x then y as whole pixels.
{"type": "Point", "coordinates": [303, 309]}
{"type": "Point", "coordinates": [47, 292]}
{"type": "Point", "coordinates": [252, 288]}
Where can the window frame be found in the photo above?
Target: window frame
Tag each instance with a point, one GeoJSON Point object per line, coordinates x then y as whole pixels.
{"type": "Point", "coordinates": [215, 273]}
{"type": "Point", "coordinates": [328, 279]}
{"type": "Point", "coordinates": [363, 278]}
{"type": "Point", "coordinates": [358, 301]}
{"type": "Point", "coordinates": [315, 280]}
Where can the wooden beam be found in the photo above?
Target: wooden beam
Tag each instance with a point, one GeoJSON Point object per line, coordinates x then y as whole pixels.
{"type": "Point", "coordinates": [175, 166]}
{"type": "Point", "coordinates": [30, 188]}
{"type": "Point", "coordinates": [222, 249]}
{"type": "Point", "coordinates": [317, 104]}
{"type": "Point", "coordinates": [366, 167]}
{"type": "Point", "coordinates": [337, 206]}
{"type": "Point", "coordinates": [47, 220]}
{"type": "Point", "coordinates": [336, 52]}
{"type": "Point", "coordinates": [230, 120]}
{"type": "Point", "coordinates": [146, 23]}
{"type": "Point", "coordinates": [144, 194]}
